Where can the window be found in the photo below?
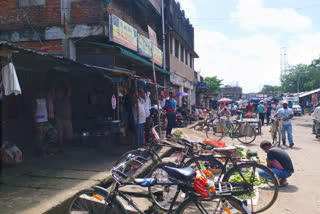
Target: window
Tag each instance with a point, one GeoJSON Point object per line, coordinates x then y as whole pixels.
{"type": "Point", "coordinates": [191, 61]}
{"type": "Point", "coordinates": [182, 54]}
{"type": "Point", "coordinates": [187, 56]}
{"type": "Point", "coordinates": [176, 48]}
{"type": "Point", "coordinates": [28, 3]}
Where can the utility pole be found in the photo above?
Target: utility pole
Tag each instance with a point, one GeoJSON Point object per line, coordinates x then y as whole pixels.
{"type": "Point", "coordinates": [298, 81]}
{"type": "Point", "coordinates": [163, 36]}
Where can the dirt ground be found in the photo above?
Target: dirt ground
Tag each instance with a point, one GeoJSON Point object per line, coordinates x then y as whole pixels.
{"type": "Point", "coordinates": [302, 195]}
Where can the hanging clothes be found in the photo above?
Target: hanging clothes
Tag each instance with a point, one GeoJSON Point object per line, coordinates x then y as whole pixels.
{"type": "Point", "coordinates": [10, 80]}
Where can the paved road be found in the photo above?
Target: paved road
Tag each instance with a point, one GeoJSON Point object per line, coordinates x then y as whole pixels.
{"type": "Point", "coordinates": [302, 195]}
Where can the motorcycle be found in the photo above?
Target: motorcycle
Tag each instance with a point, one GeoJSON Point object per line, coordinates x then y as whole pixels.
{"type": "Point", "coordinates": [182, 118]}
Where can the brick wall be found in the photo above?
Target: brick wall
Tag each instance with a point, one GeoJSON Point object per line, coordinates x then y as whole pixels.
{"type": "Point", "coordinates": [12, 17]}
{"type": "Point", "coordinates": [48, 46]}
{"type": "Point", "coordinates": [86, 11]}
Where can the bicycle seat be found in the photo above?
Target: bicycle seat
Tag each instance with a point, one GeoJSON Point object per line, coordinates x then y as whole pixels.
{"type": "Point", "coordinates": [230, 150]}
{"type": "Point", "coordinates": [185, 174]}
{"type": "Point", "coordinates": [145, 182]}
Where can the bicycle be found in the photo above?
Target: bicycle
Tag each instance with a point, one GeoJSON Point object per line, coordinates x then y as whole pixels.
{"type": "Point", "coordinates": [100, 200]}
{"type": "Point", "coordinates": [215, 126]}
{"type": "Point", "coordinates": [276, 132]}
{"type": "Point", "coordinates": [221, 170]}
{"type": "Point", "coordinates": [242, 131]}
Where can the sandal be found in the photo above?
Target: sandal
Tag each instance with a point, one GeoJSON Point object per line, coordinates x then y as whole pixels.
{"type": "Point", "coordinates": [284, 184]}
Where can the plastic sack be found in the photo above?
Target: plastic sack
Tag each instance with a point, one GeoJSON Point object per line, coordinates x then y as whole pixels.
{"type": "Point", "coordinates": [214, 143]}
{"type": "Point", "coordinates": [204, 186]}
{"type": "Point", "coordinates": [246, 130]}
{"type": "Point", "coordinates": [221, 126]}
{"type": "Point", "coordinates": [179, 134]}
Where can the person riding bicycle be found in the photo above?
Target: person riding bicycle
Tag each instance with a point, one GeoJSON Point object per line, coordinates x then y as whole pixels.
{"type": "Point", "coordinates": [224, 111]}
{"type": "Point", "coordinates": [278, 161]}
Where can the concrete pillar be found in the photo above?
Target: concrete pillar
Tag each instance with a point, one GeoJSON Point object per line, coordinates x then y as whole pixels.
{"type": "Point", "coordinates": [180, 97]}
{"type": "Point", "coordinates": [189, 98]}
{"type": "Point", "coordinates": [66, 20]}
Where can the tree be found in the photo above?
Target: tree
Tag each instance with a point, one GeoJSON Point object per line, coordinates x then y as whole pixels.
{"type": "Point", "coordinates": [213, 84]}
{"type": "Point", "coordinates": [301, 78]}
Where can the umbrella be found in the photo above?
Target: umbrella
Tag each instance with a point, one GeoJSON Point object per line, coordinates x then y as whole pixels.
{"type": "Point", "coordinates": [255, 100]}
{"type": "Point", "coordinates": [225, 100]}
{"type": "Point", "coordinates": [182, 94]}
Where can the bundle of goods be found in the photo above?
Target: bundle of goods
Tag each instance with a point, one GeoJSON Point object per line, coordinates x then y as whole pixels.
{"type": "Point", "coordinates": [213, 143]}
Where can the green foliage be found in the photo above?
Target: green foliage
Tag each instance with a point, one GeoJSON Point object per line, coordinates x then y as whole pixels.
{"type": "Point", "coordinates": [307, 76]}
{"type": "Point", "coordinates": [213, 84]}
{"type": "Point", "coordinates": [270, 90]}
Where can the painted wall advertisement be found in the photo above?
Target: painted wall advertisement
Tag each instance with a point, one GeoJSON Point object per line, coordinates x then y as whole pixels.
{"type": "Point", "coordinates": [144, 46]}
{"type": "Point", "coordinates": [152, 36]}
{"type": "Point", "coordinates": [122, 33]}
{"type": "Point", "coordinates": [157, 56]}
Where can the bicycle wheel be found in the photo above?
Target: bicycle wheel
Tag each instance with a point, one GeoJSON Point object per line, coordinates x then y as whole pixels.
{"type": "Point", "coordinates": [211, 164]}
{"type": "Point", "coordinates": [212, 133]}
{"type": "Point", "coordinates": [90, 201]}
{"type": "Point", "coordinates": [246, 139]}
{"type": "Point", "coordinates": [276, 138]}
{"type": "Point", "coordinates": [263, 192]}
{"type": "Point", "coordinates": [199, 205]}
{"type": "Point", "coordinates": [162, 195]}
{"type": "Point", "coordinates": [139, 169]}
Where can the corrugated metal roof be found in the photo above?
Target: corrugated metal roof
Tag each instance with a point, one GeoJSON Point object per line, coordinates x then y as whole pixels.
{"type": "Point", "coordinates": [310, 92]}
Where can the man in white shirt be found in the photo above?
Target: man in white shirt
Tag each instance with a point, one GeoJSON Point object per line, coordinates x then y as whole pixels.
{"type": "Point", "coordinates": [316, 118]}
{"type": "Point", "coordinates": [46, 134]}
{"type": "Point", "coordinates": [140, 120]}
{"type": "Point", "coordinates": [286, 114]}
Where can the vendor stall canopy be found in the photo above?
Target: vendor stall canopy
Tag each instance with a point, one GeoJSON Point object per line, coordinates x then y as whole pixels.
{"type": "Point", "coordinates": [37, 61]}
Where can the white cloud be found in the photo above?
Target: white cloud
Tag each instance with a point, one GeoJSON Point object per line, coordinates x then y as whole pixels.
{"type": "Point", "coordinates": [251, 61]}
{"type": "Point", "coordinates": [304, 49]}
{"type": "Point", "coordinates": [251, 15]}
{"type": "Point", "coordinates": [189, 8]}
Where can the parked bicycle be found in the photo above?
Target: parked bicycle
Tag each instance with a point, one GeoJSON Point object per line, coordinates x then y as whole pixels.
{"type": "Point", "coordinates": [224, 167]}
{"type": "Point", "coordinates": [100, 200]}
{"type": "Point", "coordinates": [242, 131]}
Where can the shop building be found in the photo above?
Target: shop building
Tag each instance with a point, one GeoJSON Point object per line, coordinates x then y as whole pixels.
{"type": "Point", "coordinates": [181, 53]}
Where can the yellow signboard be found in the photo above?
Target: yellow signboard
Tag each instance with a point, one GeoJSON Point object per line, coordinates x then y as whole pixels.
{"type": "Point", "coordinates": [157, 56]}
{"type": "Point", "coordinates": [122, 33]}
{"type": "Point", "coordinates": [144, 46]}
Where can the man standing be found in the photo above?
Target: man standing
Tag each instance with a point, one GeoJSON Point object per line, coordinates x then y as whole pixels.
{"type": "Point", "coordinates": [139, 119]}
{"type": "Point", "coordinates": [63, 115]}
{"type": "Point", "coordinates": [316, 118]}
{"type": "Point", "coordinates": [46, 134]}
{"type": "Point", "coordinates": [171, 115]}
{"type": "Point", "coordinates": [269, 109]}
{"type": "Point", "coordinates": [278, 161]}
{"type": "Point", "coordinates": [261, 112]}
{"type": "Point", "coordinates": [286, 114]}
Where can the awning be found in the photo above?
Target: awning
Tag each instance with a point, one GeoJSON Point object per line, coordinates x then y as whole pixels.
{"type": "Point", "coordinates": [132, 55]}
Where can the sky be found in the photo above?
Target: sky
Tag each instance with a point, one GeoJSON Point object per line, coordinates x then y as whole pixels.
{"type": "Point", "coordinates": [240, 40]}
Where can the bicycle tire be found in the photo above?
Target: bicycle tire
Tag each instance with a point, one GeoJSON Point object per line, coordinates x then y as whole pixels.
{"type": "Point", "coordinates": [243, 140]}
{"type": "Point", "coordinates": [157, 192]}
{"type": "Point", "coordinates": [192, 203]}
{"type": "Point", "coordinates": [211, 133]}
{"type": "Point", "coordinates": [272, 185]}
{"type": "Point", "coordinates": [93, 203]}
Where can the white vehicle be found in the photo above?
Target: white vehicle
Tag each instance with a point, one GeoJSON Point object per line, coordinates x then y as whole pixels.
{"type": "Point", "coordinates": [296, 108]}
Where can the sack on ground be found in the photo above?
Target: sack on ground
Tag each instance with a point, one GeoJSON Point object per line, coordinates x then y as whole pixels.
{"type": "Point", "coordinates": [221, 126]}
{"type": "Point", "coordinates": [12, 155]}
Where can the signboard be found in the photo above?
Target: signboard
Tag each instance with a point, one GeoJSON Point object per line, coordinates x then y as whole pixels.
{"type": "Point", "coordinates": [153, 36]}
{"type": "Point", "coordinates": [122, 33]}
{"type": "Point", "coordinates": [114, 102]}
{"type": "Point", "coordinates": [202, 85]}
{"type": "Point", "coordinates": [156, 4]}
{"type": "Point", "coordinates": [157, 56]}
{"type": "Point", "coordinates": [144, 46]}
